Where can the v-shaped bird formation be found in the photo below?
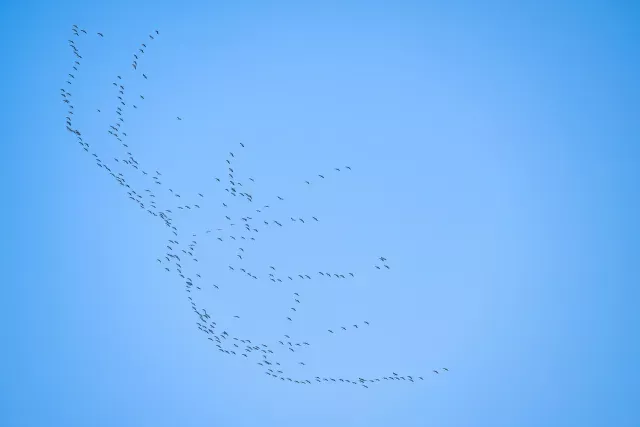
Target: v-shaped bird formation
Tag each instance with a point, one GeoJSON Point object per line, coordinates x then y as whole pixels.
{"type": "Point", "coordinates": [235, 230]}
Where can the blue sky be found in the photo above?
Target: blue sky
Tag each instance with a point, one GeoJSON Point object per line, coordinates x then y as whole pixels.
{"type": "Point", "coordinates": [494, 157]}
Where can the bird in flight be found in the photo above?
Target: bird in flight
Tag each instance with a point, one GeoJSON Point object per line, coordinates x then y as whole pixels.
{"type": "Point", "coordinates": [165, 214]}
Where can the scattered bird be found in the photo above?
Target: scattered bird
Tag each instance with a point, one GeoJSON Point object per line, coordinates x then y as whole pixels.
{"type": "Point", "coordinates": [180, 254]}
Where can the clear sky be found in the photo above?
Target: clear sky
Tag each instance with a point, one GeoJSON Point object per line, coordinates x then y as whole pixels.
{"type": "Point", "coordinates": [495, 164]}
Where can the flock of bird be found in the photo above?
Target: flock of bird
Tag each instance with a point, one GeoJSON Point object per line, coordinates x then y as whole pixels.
{"type": "Point", "coordinates": [181, 258]}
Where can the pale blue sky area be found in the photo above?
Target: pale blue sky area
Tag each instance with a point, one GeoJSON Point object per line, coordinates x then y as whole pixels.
{"type": "Point", "coordinates": [494, 160]}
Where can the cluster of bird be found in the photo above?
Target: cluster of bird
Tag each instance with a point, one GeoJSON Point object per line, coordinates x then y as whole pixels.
{"type": "Point", "coordinates": [180, 258]}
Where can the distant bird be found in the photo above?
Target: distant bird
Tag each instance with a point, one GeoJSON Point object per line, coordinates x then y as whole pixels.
{"type": "Point", "coordinates": [101, 35]}
{"type": "Point", "coordinates": [178, 118]}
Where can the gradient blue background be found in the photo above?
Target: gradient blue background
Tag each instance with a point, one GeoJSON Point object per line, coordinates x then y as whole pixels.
{"type": "Point", "coordinates": [496, 163]}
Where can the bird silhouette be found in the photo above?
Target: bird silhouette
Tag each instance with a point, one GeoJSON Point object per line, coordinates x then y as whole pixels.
{"type": "Point", "coordinates": [234, 194]}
